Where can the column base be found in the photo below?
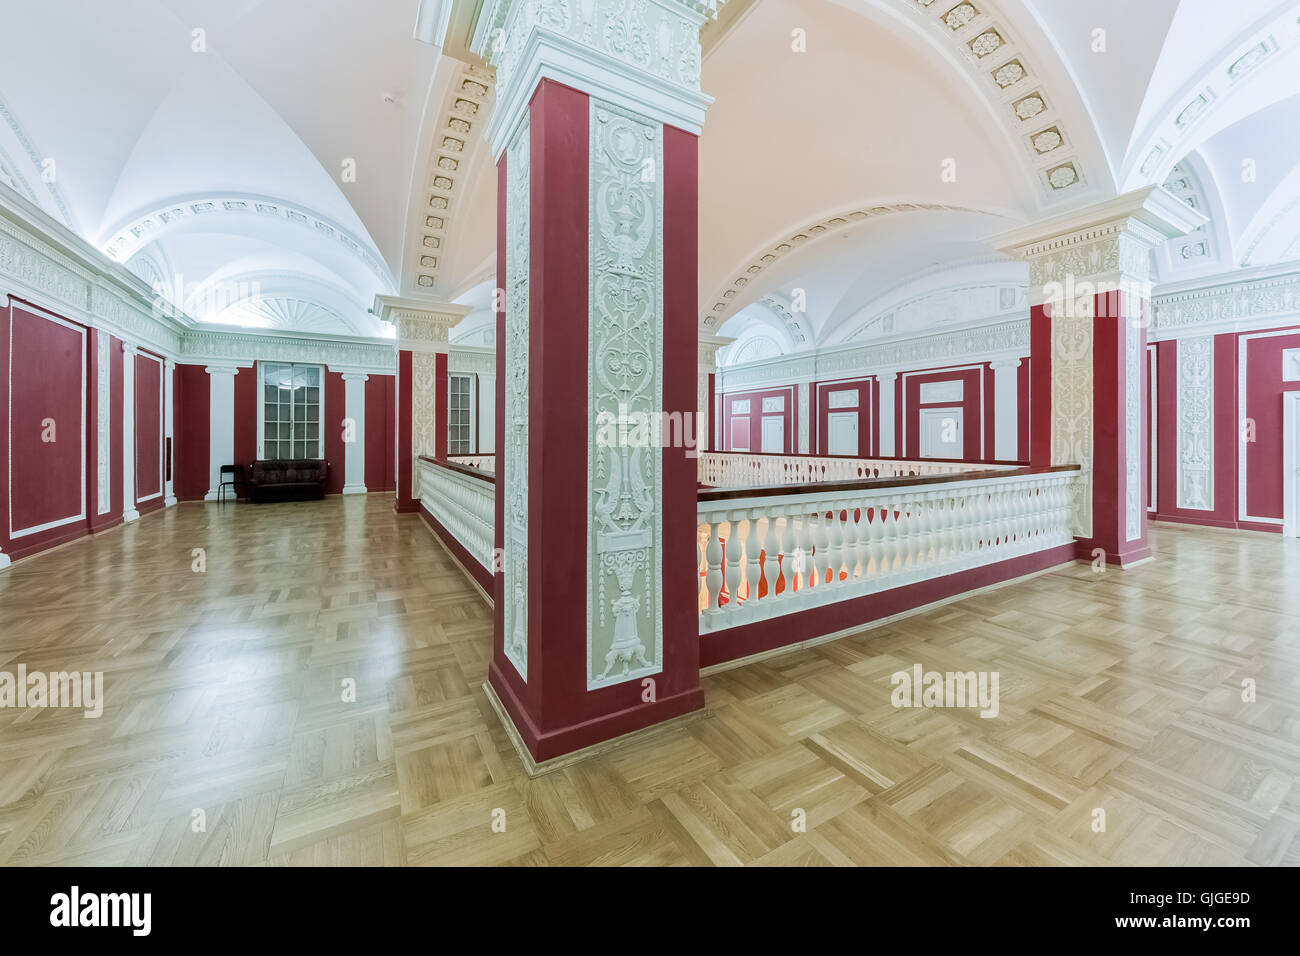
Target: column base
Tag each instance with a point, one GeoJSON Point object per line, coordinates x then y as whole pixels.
{"type": "Point", "coordinates": [169, 501]}
{"type": "Point", "coordinates": [542, 750]}
{"type": "Point", "coordinates": [1123, 559]}
{"type": "Point", "coordinates": [130, 514]}
{"type": "Point", "coordinates": [354, 489]}
{"type": "Point", "coordinates": [4, 561]}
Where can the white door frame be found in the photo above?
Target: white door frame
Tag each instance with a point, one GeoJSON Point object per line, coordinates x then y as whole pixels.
{"type": "Point", "coordinates": [956, 412]}
{"type": "Point", "coordinates": [1290, 462]}
{"type": "Point", "coordinates": [762, 433]}
{"type": "Point", "coordinates": [852, 418]}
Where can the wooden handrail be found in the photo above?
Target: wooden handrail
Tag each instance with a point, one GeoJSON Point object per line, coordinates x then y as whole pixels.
{"type": "Point", "coordinates": [463, 469]}
{"type": "Point", "coordinates": [827, 487]}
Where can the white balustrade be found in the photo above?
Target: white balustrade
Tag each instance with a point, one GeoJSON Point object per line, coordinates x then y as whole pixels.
{"type": "Point", "coordinates": [786, 553]}
{"type": "Point", "coordinates": [739, 470]}
{"type": "Point", "coordinates": [462, 504]}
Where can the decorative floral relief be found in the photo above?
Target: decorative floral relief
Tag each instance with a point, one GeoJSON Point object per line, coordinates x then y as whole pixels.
{"type": "Point", "coordinates": [1072, 405]}
{"type": "Point", "coordinates": [515, 532]}
{"type": "Point", "coordinates": [1195, 411]}
{"type": "Point", "coordinates": [625, 626]}
{"type": "Point", "coordinates": [1135, 509]}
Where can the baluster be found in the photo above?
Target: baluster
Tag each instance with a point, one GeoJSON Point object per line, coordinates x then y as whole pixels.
{"type": "Point", "coordinates": [701, 592]}
{"type": "Point", "coordinates": [851, 539]}
{"type": "Point", "coordinates": [821, 552]}
{"type": "Point", "coordinates": [734, 554]}
{"type": "Point", "coordinates": [806, 572]}
{"type": "Point", "coordinates": [835, 532]}
{"type": "Point", "coordinates": [874, 536]}
{"type": "Point", "coordinates": [753, 552]}
{"type": "Point", "coordinates": [898, 522]}
{"type": "Point", "coordinates": [713, 577]}
{"type": "Point", "coordinates": [771, 553]}
{"type": "Point", "coordinates": [789, 556]}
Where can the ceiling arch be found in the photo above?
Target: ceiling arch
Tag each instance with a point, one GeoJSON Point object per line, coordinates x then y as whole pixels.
{"type": "Point", "coordinates": [747, 284]}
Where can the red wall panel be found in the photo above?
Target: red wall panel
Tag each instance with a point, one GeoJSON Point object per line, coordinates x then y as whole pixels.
{"type": "Point", "coordinates": [332, 422]}
{"type": "Point", "coordinates": [753, 431]}
{"type": "Point", "coordinates": [193, 404]}
{"type": "Point", "coordinates": [246, 398]}
{"type": "Point", "coordinates": [821, 410]}
{"type": "Point", "coordinates": [148, 428]}
{"type": "Point", "coordinates": [1264, 388]}
{"type": "Point", "coordinates": [46, 445]}
{"type": "Point", "coordinates": [380, 439]}
{"type": "Point", "coordinates": [974, 395]}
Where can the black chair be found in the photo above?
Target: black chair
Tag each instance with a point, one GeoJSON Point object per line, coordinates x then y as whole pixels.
{"type": "Point", "coordinates": [235, 483]}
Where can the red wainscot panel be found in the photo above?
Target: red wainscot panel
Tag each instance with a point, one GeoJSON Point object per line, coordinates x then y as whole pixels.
{"type": "Point", "coordinates": [148, 432]}
{"type": "Point", "coordinates": [1262, 379]}
{"type": "Point", "coordinates": [46, 378]}
{"type": "Point", "coordinates": [332, 421]}
{"type": "Point", "coordinates": [976, 383]}
{"type": "Point", "coordinates": [743, 430]}
{"type": "Point", "coordinates": [1165, 401]}
{"type": "Point", "coordinates": [380, 437]}
{"type": "Point", "coordinates": [861, 400]}
{"type": "Point", "coordinates": [192, 428]}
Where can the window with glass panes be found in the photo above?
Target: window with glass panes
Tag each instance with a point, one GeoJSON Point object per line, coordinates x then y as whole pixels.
{"type": "Point", "coordinates": [460, 417]}
{"type": "Point", "coordinates": [291, 411]}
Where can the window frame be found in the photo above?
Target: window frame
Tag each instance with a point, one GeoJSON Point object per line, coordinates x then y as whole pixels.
{"type": "Point", "coordinates": [471, 433]}
{"type": "Point", "coordinates": [261, 412]}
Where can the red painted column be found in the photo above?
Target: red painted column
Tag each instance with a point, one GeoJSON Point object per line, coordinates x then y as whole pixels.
{"type": "Point", "coordinates": [442, 397]}
{"type": "Point", "coordinates": [1088, 362]}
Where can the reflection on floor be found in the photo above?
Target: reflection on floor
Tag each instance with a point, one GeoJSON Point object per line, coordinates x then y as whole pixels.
{"type": "Point", "coordinates": [1120, 692]}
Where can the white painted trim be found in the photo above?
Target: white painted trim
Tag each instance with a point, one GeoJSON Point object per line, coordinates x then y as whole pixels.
{"type": "Point", "coordinates": [887, 444]}
{"type": "Point", "coordinates": [169, 431]}
{"type": "Point", "coordinates": [129, 501]}
{"type": "Point", "coordinates": [81, 515]}
{"type": "Point", "coordinates": [221, 423]}
{"type": "Point", "coordinates": [1290, 464]}
{"type": "Point", "coordinates": [162, 427]}
{"type": "Point", "coordinates": [954, 368]}
{"type": "Point", "coordinates": [1153, 439]}
{"type": "Point", "coordinates": [354, 452]}
{"type": "Point", "coordinates": [1006, 410]}
{"type": "Point", "coordinates": [1242, 514]}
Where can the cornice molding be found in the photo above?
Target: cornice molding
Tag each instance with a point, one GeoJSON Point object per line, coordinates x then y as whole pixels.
{"type": "Point", "coordinates": [421, 326]}
{"type": "Point", "coordinates": [725, 299]}
{"type": "Point", "coordinates": [471, 359]}
{"type": "Point", "coordinates": [1248, 301]}
{"type": "Point", "coordinates": [984, 342]}
{"type": "Point", "coordinates": [141, 228]}
{"type": "Point", "coordinates": [44, 263]}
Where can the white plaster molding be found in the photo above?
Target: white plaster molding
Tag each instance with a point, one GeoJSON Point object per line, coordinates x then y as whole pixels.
{"type": "Point", "coordinates": [229, 211]}
{"type": "Point", "coordinates": [129, 495]}
{"type": "Point", "coordinates": [169, 432]}
{"type": "Point", "coordinates": [104, 441]}
{"type": "Point", "coordinates": [638, 55]}
{"type": "Point", "coordinates": [887, 443]}
{"type": "Point", "coordinates": [354, 450]}
{"type": "Point", "coordinates": [1006, 409]}
{"type": "Point", "coordinates": [1242, 301]}
{"type": "Point", "coordinates": [725, 302]}
{"type": "Point", "coordinates": [221, 423]}
{"type": "Point", "coordinates": [1195, 418]}
{"type": "Point", "coordinates": [421, 326]}
{"type": "Point", "coordinates": [472, 360]}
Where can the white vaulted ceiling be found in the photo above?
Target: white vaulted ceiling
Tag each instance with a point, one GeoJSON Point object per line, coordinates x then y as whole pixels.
{"type": "Point", "coordinates": [859, 177]}
{"type": "Point", "coordinates": [204, 143]}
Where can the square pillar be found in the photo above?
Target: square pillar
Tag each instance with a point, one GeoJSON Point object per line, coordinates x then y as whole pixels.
{"type": "Point", "coordinates": [1006, 409]}
{"type": "Point", "coordinates": [596, 139]}
{"type": "Point", "coordinates": [354, 432]}
{"type": "Point", "coordinates": [1090, 297]}
{"type": "Point", "coordinates": [169, 432]}
{"type": "Point", "coordinates": [423, 337]}
{"type": "Point", "coordinates": [221, 423]}
{"type": "Point", "coordinates": [129, 512]}
{"type": "Point", "coordinates": [706, 386]}
{"type": "Point", "coordinates": [887, 393]}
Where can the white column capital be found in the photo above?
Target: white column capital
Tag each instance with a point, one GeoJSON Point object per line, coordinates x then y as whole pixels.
{"type": "Point", "coordinates": [709, 345]}
{"type": "Point", "coordinates": [169, 365]}
{"type": "Point", "coordinates": [1100, 248]}
{"type": "Point", "coordinates": [355, 376]}
{"type": "Point", "coordinates": [129, 349]}
{"type": "Point", "coordinates": [886, 378]}
{"type": "Point", "coordinates": [422, 325]}
{"type": "Point", "coordinates": [222, 370]}
{"type": "Point", "coordinates": [1003, 364]}
{"type": "Point", "coordinates": [641, 55]}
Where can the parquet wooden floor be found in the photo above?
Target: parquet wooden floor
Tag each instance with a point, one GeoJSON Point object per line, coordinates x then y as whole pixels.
{"type": "Point", "coordinates": [1120, 692]}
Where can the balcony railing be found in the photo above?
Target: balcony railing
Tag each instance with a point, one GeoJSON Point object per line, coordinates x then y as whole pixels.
{"type": "Point", "coordinates": [462, 500]}
{"type": "Point", "coordinates": [765, 552]}
{"type": "Point", "coordinates": [749, 470]}
{"type": "Point", "coordinates": [486, 462]}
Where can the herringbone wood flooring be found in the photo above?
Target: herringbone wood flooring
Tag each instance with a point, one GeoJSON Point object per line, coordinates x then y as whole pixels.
{"type": "Point", "coordinates": [1120, 691]}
